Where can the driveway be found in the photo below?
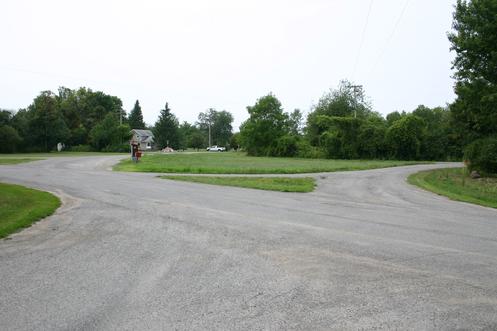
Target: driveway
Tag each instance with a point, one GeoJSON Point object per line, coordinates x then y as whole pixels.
{"type": "Point", "coordinates": [128, 251]}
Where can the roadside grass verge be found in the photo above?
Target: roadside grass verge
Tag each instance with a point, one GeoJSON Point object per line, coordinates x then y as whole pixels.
{"type": "Point", "coordinates": [13, 160]}
{"type": "Point", "coordinates": [455, 184]}
{"type": "Point", "coordinates": [21, 206]}
{"type": "Point", "coordinates": [282, 184]}
{"type": "Point", "coordinates": [55, 154]}
{"type": "Point", "coordinates": [28, 157]}
{"type": "Point", "coordinates": [240, 163]}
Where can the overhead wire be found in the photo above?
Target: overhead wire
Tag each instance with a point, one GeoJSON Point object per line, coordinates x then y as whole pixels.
{"type": "Point", "coordinates": [364, 29]}
{"type": "Point", "coordinates": [390, 37]}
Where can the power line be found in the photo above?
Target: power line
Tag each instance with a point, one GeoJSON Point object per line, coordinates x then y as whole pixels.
{"type": "Point", "coordinates": [362, 39]}
{"type": "Point", "coordinates": [390, 36]}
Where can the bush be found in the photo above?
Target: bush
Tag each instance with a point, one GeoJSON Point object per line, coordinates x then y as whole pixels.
{"type": "Point", "coordinates": [305, 150]}
{"type": "Point", "coordinates": [286, 146]}
{"type": "Point", "coordinates": [481, 155]}
{"type": "Point", "coordinates": [80, 148]}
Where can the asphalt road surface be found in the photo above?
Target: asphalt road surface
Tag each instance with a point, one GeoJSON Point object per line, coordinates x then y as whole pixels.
{"type": "Point", "coordinates": [129, 251]}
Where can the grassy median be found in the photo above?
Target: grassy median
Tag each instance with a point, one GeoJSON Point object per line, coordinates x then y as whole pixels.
{"type": "Point", "coordinates": [455, 184]}
{"type": "Point", "coordinates": [240, 163]}
{"type": "Point", "coordinates": [282, 184]}
{"type": "Point", "coordinates": [21, 206]}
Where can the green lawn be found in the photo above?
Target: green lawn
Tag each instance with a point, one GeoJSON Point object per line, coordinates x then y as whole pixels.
{"type": "Point", "coordinates": [54, 154]}
{"type": "Point", "coordinates": [21, 206]}
{"type": "Point", "coordinates": [14, 160]}
{"type": "Point", "coordinates": [282, 184]}
{"type": "Point", "coordinates": [28, 157]}
{"type": "Point", "coordinates": [455, 184]}
{"type": "Point", "coordinates": [239, 163]}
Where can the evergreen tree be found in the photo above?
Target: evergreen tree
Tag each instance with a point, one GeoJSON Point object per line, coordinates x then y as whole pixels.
{"type": "Point", "coordinates": [135, 119]}
{"type": "Point", "coordinates": [166, 131]}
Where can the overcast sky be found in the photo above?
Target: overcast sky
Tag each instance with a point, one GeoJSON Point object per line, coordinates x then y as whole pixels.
{"type": "Point", "coordinates": [225, 54]}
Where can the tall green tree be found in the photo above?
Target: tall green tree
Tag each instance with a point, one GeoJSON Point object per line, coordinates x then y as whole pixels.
{"type": "Point", "coordinates": [109, 135]}
{"type": "Point", "coordinates": [46, 125]}
{"type": "Point", "coordinates": [135, 118]}
{"type": "Point", "coordinates": [405, 136]}
{"type": "Point", "coordinates": [166, 129]}
{"type": "Point", "coordinates": [474, 40]}
{"type": "Point", "coordinates": [220, 123]}
{"type": "Point", "coordinates": [267, 124]}
{"type": "Point", "coordinates": [347, 100]}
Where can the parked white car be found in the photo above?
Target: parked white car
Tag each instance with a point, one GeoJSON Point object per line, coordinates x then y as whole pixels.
{"type": "Point", "coordinates": [216, 148]}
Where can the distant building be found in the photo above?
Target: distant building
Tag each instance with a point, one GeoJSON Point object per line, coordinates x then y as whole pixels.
{"type": "Point", "coordinates": [144, 138]}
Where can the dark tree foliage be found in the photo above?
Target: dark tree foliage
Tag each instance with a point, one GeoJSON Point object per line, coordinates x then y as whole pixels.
{"type": "Point", "coordinates": [474, 41]}
{"type": "Point", "coordinates": [345, 101]}
{"type": "Point", "coordinates": [265, 126]}
{"type": "Point", "coordinates": [481, 155]}
{"type": "Point", "coordinates": [9, 138]}
{"type": "Point", "coordinates": [166, 129]}
{"type": "Point", "coordinates": [404, 137]}
{"type": "Point", "coordinates": [46, 125]}
{"type": "Point", "coordinates": [135, 118]}
{"type": "Point", "coordinates": [110, 136]}
{"type": "Point", "coordinates": [220, 126]}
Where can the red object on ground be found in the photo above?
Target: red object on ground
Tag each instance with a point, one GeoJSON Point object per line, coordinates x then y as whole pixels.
{"type": "Point", "coordinates": [138, 154]}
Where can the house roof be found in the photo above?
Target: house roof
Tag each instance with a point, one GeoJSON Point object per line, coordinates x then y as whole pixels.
{"type": "Point", "coordinates": [143, 133]}
{"type": "Point", "coordinates": [144, 136]}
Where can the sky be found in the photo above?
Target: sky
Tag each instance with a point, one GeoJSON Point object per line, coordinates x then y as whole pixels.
{"type": "Point", "coordinates": [225, 54]}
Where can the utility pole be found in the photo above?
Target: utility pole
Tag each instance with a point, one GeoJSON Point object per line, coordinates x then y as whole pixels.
{"type": "Point", "coordinates": [210, 143]}
{"type": "Point", "coordinates": [356, 88]}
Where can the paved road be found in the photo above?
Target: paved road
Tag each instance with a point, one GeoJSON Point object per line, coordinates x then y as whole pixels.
{"type": "Point", "coordinates": [129, 251]}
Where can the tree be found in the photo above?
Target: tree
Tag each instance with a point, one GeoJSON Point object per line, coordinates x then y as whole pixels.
{"type": "Point", "coordinates": [474, 40]}
{"type": "Point", "coordinates": [196, 140]}
{"type": "Point", "coordinates": [135, 118]}
{"type": "Point", "coordinates": [166, 129]}
{"type": "Point", "coordinates": [267, 123]}
{"type": "Point", "coordinates": [109, 135]}
{"type": "Point", "coordinates": [347, 100]}
{"type": "Point", "coordinates": [220, 126]}
{"type": "Point", "coordinates": [46, 126]}
{"type": "Point", "coordinates": [10, 139]}
{"type": "Point", "coordinates": [235, 141]}
{"type": "Point", "coordinates": [404, 137]}
{"type": "Point", "coordinates": [295, 122]}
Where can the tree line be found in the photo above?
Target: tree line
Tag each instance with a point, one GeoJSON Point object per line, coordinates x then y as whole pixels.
{"type": "Point", "coordinates": [87, 120]}
{"type": "Point", "coordinates": [343, 126]}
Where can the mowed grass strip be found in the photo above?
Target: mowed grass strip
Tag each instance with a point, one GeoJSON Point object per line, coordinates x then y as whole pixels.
{"type": "Point", "coordinates": [12, 160]}
{"type": "Point", "coordinates": [21, 206]}
{"type": "Point", "coordinates": [455, 184]}
{"type": "Point", "coordinates": [240, 163]}
{"type": "Point", "coordinates": [282, 184]}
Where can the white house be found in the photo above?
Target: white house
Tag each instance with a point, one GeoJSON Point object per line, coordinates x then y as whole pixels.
{"type": "Point", "coordinates": [144, 138]}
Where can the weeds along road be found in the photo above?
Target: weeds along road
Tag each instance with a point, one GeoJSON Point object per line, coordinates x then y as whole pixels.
{"type": "Point", "coordinates": [128, 251]}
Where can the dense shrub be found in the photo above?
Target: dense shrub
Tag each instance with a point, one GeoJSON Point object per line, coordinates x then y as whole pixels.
{"type": "Point", "coordinates": [286, 146]}
{"type": "Point", "coordinates": [306, 150]}
{"type": "Point", "coordinates": [403, 138]}
{"type": "Point", "coordinates": [481, 155]}
{"type": "Point", "coordinates": [9, 139]}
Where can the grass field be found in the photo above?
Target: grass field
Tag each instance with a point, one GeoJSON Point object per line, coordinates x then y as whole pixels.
{"type": "Point", "coordinates": [282, 184]}
{"type": "Point", "coordinates": [20, 207]}
{"type": "Point", "coordinates": [239, 163]}
{"type": "Point", "coordinates": [28, 157]}
{"type": "Point", "coordinates": [14, 160]}
{"type": "Point", "coordinates": [455, 184]}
